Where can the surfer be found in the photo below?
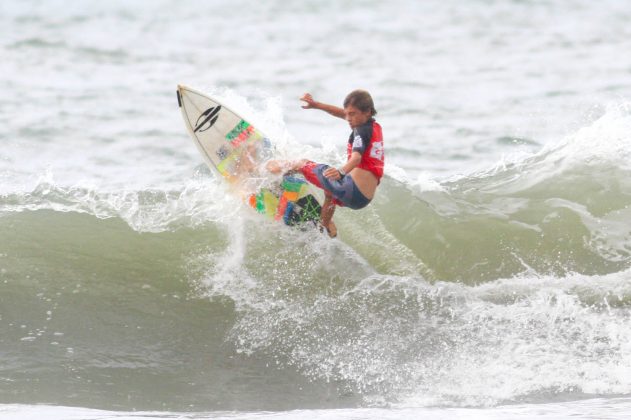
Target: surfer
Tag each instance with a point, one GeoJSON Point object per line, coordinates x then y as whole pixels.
{"type": "Point", "coordinates": [354, 184]}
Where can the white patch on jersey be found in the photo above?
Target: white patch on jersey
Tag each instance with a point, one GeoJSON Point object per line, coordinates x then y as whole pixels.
{"type": "Point", "coordinates": [377, 150]}
{"type": "Point", "coordinates": [358, 143]}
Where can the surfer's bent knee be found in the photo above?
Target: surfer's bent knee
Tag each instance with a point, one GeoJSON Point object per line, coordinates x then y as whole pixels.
{"type": "Point", "coordinates": [343, 192]}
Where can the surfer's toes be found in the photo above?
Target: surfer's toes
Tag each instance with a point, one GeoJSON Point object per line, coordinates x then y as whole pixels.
{"type": "Point", "coordinates": [331, 229]}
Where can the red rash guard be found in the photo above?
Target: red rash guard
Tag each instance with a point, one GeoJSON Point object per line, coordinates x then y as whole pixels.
{"type": "Point", "coordinates": [367, 139]}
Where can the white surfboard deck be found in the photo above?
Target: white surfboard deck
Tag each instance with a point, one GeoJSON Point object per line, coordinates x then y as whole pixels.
{"type": "Point", "coordinates": [223, 138]}
{"type": "Point", "coordinates": [237, 150]}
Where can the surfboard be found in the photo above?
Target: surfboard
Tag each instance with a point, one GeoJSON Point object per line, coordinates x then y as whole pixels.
{"type": "Point", "coordinates": [237, 150]}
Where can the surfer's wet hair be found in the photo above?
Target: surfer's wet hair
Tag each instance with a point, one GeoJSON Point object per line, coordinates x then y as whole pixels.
{"type": "Point", "coordinates": [361, 100]}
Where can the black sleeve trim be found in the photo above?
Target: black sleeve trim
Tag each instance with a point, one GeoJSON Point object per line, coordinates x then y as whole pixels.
{"type": "Point", "coordinates": [365, 133]}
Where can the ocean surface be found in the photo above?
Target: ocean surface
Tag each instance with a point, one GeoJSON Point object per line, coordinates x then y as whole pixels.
{"type": "Point", "coordinates": [489, 279]}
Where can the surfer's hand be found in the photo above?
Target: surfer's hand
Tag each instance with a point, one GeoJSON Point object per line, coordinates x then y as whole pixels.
{"type": "Point", "coordinates": [274, 166]}
{"type": "Point", "coordinates": [310, 103]}
{"type": "Point", "coordinates": [332, 174]}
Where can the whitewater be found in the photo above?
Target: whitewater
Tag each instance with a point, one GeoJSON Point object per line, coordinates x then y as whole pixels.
{"type": "Point", "coordinates": [490, 277]}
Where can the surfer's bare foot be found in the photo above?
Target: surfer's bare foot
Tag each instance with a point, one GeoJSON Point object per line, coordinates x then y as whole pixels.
{"type": "Point", "coordinates": [331, 229]}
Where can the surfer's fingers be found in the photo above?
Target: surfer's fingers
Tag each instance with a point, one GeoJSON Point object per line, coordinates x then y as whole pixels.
{"type": "Point", "coordinates": [332, 173]}
{"type": "Point", "coordinates": [308, 99]}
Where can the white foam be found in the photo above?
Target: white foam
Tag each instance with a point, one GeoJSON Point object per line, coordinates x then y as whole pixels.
{"type": "Point", "coordinates": [198, 201]}
{"type": "Point", "coordinates": [592, 409]}
{"type": "Point", "coordinates": [534, 337]}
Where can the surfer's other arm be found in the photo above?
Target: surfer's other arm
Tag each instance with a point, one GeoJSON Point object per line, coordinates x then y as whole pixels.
{"type": "Point", "coordinates": [335, 174]}
{"type": "Point", "coordinates": [336, 111]}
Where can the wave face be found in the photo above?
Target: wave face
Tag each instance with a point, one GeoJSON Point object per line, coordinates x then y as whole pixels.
{"type": "Point", "coordinates": [562, 210]}
{"type": "Point", "coordinates": [502, 286]}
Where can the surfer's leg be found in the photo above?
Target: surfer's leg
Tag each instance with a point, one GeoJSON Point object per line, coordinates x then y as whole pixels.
{"type": "Point", "coordinates": [326, 215]}
{"type": "Point", "coordinates": [313, 173]}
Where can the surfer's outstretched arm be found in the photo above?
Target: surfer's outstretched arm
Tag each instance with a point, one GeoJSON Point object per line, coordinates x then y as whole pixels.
{"type": "Point", "coordinates": [336, 111]}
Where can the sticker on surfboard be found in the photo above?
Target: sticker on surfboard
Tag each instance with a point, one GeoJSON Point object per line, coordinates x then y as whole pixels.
{"type": "Point", "coordinates": [237, 150]}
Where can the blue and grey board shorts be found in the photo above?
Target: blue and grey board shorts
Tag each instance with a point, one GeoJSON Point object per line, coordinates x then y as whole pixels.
{"type": "Point", "coordinates": [345, 192]}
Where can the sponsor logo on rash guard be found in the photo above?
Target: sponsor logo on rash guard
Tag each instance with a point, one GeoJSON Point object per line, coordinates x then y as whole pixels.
{"type": "Point", "coordinates": [377, 150]}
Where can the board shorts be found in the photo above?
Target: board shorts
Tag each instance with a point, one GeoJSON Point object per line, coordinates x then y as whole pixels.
{"type": "Point", "coordinates": [344, 191]}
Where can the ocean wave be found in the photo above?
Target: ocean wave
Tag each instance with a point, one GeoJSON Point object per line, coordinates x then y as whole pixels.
{"type": "Point", "coordinates": [562, 210]}
{"type": "Point", "coordinates": [299, 301]}
{"type": "Point", "coordinates": [558, 211]}
{"type": "Point", "coordinates": [507, 286]}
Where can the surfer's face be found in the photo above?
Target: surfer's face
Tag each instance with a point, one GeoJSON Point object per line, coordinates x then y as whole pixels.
{"type": "Point", "coordinates": [355, 117]}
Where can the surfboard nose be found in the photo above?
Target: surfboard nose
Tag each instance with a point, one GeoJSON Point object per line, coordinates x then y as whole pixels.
{"type": "Point", "coordinates": [179, 95]}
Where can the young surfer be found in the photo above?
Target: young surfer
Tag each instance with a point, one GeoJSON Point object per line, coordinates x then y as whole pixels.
{"type": "Point", "coordinates": [353, 185]}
